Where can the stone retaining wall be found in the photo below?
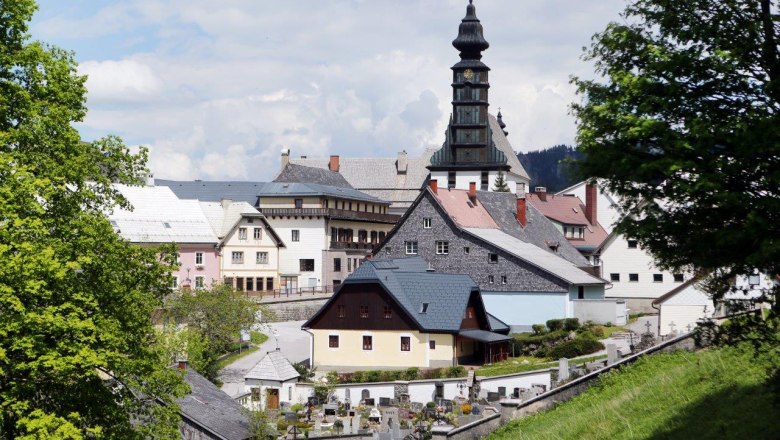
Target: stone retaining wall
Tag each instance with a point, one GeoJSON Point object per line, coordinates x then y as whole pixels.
{"type": "Point", "coordinates": [471, 431]}
{"type": "Point", "coordinates": [295, 309]}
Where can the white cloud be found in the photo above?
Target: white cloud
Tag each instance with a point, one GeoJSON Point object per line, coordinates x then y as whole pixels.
{"type": "Point", "coordinates": [120, 81]}
{"type": "Point", "coordinates": [216, 90]}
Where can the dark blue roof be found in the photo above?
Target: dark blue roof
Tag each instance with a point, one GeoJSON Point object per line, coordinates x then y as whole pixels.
{"type": "Point", "coordinates": [213, 191]}
{"type": "Point", "coordinates": [409, 282]}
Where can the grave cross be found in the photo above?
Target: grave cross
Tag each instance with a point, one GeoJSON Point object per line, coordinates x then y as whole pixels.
{"type": "Point", "coordinates": [689, 327]}
{"type": "Point", "coordinates": [648, 325]}
{"type": "Point", "coordinates": [672, 325]}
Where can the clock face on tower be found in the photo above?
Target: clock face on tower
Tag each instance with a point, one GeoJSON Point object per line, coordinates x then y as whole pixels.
{"type": "Point", "coordinates": [468, 74]}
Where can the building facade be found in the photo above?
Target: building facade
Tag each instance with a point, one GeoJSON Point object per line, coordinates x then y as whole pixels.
{"type": "Point", "coordinates": [397, 314]}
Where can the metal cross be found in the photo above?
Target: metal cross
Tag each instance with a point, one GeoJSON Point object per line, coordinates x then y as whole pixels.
{"type": "Point", "coordinates": [648, 325]}
{"type": "Point", "coordinates": [689, 327]}
{"type": "Point", "coordinates": [672, 325]}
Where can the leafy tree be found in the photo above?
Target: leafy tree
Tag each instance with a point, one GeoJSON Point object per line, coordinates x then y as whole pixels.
{"type": "Point", "coordinates": [214, 318]}
{"type": "Point", "coordinates": [500, 184]}
{"type": "Point", "coordinates": [683, 124]}
{"type": "Point", "coordinates": [77, 349]}
{"type": "Point", "coordinates": [260, 426]}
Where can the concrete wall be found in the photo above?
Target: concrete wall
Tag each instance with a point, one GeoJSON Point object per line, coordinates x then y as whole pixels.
{"type": "Point", "coordinates": [512, 381]}
{"type": "Point", "coordinates": [600, 311]}
{"type": "Point", "coordinates": [474, 430]}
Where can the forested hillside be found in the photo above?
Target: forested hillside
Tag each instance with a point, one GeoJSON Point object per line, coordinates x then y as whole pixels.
{"type": "Point", "coordinates": [548, 167]}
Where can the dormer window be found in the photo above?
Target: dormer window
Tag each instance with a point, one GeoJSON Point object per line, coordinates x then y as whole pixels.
{"type": "Point", "coordinates": [632, 244]}
{"type": "Point", "coordinates": [298, 203]}
{"type": "Point", "coordinates": [427, 222]}
{"type": "Point", "coordinates": [574, 231]}
{"type": "Point", "coordinates": [424, 308]}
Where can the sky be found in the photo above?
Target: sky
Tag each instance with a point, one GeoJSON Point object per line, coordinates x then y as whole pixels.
{"type": "Point", "coordinates": [216, 89]}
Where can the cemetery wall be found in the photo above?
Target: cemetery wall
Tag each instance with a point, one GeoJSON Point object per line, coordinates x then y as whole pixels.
{"type": "Point", "coordinates": [474, 430]}
{"type": "Point", "coordinates": [516, 409]}
{"type": "Point", "coordinates": [295, 309]}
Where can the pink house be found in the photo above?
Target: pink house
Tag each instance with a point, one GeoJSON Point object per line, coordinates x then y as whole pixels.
{"type": "Point", "coordinates": [158, 217]}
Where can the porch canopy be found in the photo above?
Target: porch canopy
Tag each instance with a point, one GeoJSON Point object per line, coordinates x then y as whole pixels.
{"type": "Point", "coordinates": [484, 336]}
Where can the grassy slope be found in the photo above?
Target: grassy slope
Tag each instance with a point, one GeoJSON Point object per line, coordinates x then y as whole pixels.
{"type": "Point", "coordinates": [716, 394]}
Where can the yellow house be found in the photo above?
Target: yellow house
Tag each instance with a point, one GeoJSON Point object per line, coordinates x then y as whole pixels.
{"type": "Point", "coordinates": [392, 314]}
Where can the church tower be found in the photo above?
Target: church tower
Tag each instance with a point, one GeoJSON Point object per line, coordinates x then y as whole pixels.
{"type": "Point", "coordinates": [469, 153]}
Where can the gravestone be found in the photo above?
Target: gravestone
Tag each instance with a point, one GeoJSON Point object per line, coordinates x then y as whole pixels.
{"type": "Point", "coordinates": [502, 391]}
{"type": "Point", "coordinates": [516, 393]}
{"type": "Point", "coordinates": [492, 396]}
{"type": "Point", "coordinates": [368, 402]}
{"type": "Point", "coordinates": [355, 424]}
{"type": "Point", "coordinates": [384, 401]}
{"type": "Point", "coordinates": [563, 369]}
{"type": "Point", "coordinates": [612, 355]}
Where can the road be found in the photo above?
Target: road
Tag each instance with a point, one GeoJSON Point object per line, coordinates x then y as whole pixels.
{"type": "Point", "coordinates": [293, 343]}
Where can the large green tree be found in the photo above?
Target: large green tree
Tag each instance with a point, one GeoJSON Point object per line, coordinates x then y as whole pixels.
{"type": "Point", "coordinates": [214, 319]}
{"type": "Point", "coordinates": [683, 124]}
{"type": "Point", "coordinates": [77, 354]}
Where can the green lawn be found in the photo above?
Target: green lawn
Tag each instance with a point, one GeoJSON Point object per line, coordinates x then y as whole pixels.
{"type": "Point", "coordinates": [522, 364]}
{"type": "Point", "coordinates": [712, 394]}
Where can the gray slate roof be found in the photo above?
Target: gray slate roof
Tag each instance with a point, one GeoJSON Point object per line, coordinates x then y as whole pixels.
{"type": "Point", "coordinates": [502, 143]}
{"type": "Point", "coordinates": [273, 367]}
{"type": "Point", "coordinates": [306, 174]}
{"type": "Point", "coordinates": [539, 230]}
{"type": "Point", "coordinates": [279, 189]}
{"type": "Point", "coordinates": [213, 191]}
{"type": "Point", "coordinates": [212, 409]}
{"type": "Point", "coordinates": [407, 280]}
{"type": "Point", "coordinates": [544, 260]}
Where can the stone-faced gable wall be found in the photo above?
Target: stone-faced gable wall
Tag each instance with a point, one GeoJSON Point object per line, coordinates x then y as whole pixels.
{"type": "Point", "coordinates": [521, 276]}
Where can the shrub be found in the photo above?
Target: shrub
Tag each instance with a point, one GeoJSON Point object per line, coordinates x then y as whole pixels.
{"type": "Point", "coordinates": [373, 376]}
{"type": "Point", "coordinates": [333, 377]}
{"type": "Point", "coordinates": [389, 375]}
{"type": "Point", "coordinates": [571, 324]}
{"type": "Point", "coordinates": [456, 371]}
{"type": "Point", "coordinates": [466, 408]}
{"type": "Point", "coordinates": [538, 329]}
{"type": "Point", "coordinates": [574, 348]}
{"type": "Point", "coordinates": [296, 407]}
{"type": "Point", "coordinates": [430, 405]}
{"type": "Point", "coordinates": [358, 377]}
{"type": "Point", "coordinates": [554, 324]}
{"type": "Point", "coordinates": [412, 373]}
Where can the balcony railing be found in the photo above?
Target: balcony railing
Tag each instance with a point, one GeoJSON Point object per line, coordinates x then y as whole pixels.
{"type": "Point", "coordinates": [289, 292]}
{"type": "Point", "coordinates": [341, 214]}
{"type": "Point", "coordinates": [335, 245]}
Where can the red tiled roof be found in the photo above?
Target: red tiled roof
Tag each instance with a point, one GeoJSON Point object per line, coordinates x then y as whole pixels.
{"type": "Point", "coordinates": [460, 209]}
{"type": "Point", "coordinates": [569, 210]}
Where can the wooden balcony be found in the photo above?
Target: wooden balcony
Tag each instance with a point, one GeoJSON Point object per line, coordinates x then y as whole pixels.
{"type": "Point", "coordinates": [338, 245]}
{"type": "Point", "coordinates": [338, 214]}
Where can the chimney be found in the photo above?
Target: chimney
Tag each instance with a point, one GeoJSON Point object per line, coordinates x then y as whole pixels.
{"type": "Point", "coordinates": [334, 163]}
{"type": "Point", "coordinates": [150, 179]}
{"type": "Point", "coordinates": [226, 203]}
{"type": "Point", "coordinates": [590, 203]}
{"type": "Point", "coordinates": [541, 192]}
{"type": "Point", "coordinates": [522, 215]}
{"type": "Point", "coordinates": [473, 192]}
{"type": "Point", "coordinates": [434, 186]}
{"type": "Point", "coordinates": [285, 157]}
{"type": "Point", "coordinates": [402, 163]}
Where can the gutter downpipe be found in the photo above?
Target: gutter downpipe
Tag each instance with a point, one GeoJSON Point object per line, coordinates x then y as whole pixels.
{"type": "Point", "coordinates": [311, 347]}
{"type": "Point", "coordinates": [659, 317]}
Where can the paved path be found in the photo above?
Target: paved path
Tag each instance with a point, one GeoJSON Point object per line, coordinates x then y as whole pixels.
{"type": "Point", "coordinates": [293, 343]}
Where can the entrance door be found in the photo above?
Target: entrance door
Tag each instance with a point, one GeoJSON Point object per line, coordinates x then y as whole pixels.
{"type": "Point", "coordinates": [273, 399]}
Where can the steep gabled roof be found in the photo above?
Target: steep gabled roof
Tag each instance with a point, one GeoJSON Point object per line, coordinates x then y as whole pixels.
{"type": "Point", "coordinates": [214, 411]}
{"type": "Point", "coordinates": [502, 143]}
{"type": "Point", "coordinates": [225, 217]}
{"type": "Point", "coordinates": [305, 174]}
{"type": "Point", "coordinates": [544, 260]}
{"type": "Point", "coordinates": [410, 285]}
{"type": "Point", "coordinates": [158, 216]}
{"type": "Point", "coordinates": [274, 367]}
{"type": "Point", "coordinates": [569, 210]}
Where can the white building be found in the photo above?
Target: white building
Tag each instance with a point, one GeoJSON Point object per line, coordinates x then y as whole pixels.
{"type": "Point", "coordinates": [248, 246]}
{"type": "Point", "coordinates": [631, 270]}
{"type": "Point", "coordinates": [681, 308]}
{"type": "Point", "coordinates": [271, 383]}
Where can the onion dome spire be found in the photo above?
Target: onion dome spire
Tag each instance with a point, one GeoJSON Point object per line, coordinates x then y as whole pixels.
{"type": "Point", "coordinates": [501, 122]}
{"type": "Point", "coordinates": [470, 41]}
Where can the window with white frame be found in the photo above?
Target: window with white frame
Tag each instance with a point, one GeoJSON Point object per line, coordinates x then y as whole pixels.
{"type": "Point", "coordinates": [258, 234]}
{"type": "Point", "coordinates": [503, 279]}
{"type": "Point", "coordinates": [199, 258]}
{"type": "Point", "coordinates": [368, 342]}
{"type": "Point", "coordinates": [406, 343]}
{"type": "Point", "coordinates": [262, 258]}
{"type": "Point", "coordinates": [427, 222]}
{"type": "Point", "coordinates": [242, 233]}
{"type": "Point", "coordinates": [411, 247]}
{"type": "Point", "coordinates": [174, 282]}
{"type": "Point", "coordinates": [442, 247]}
{"type": "Point", "coordinates": [199, 282]}
{"type": "Point", "coordinates": [237, 257]}
{"type": "Point", "coordinates": [296, 235]}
